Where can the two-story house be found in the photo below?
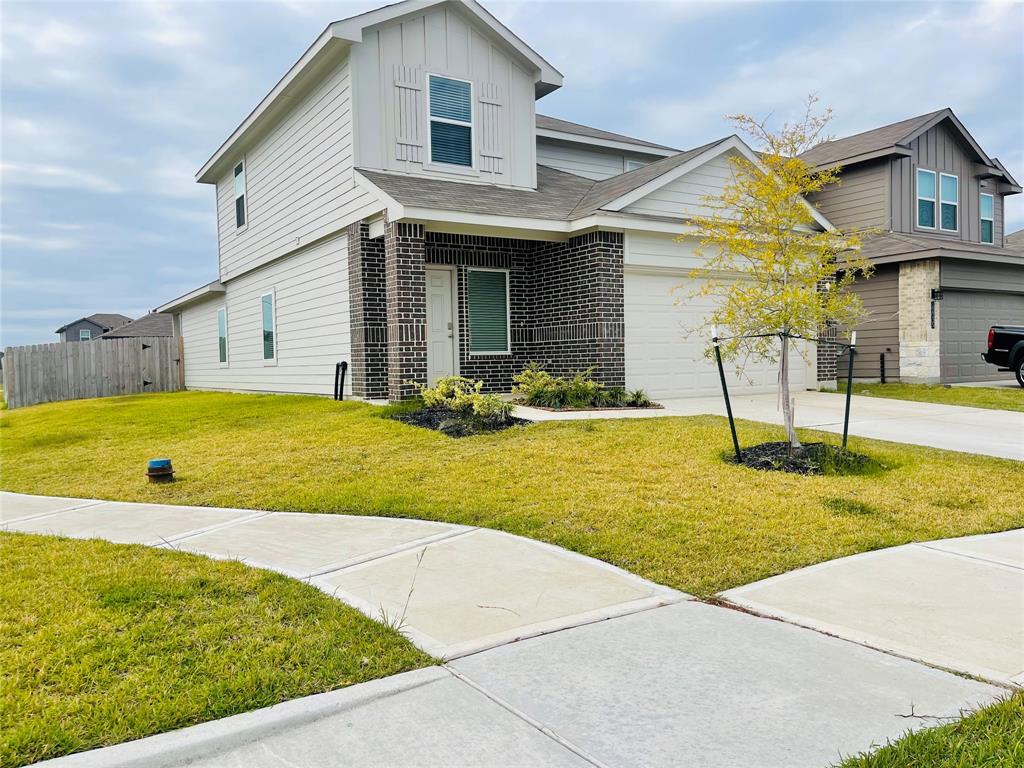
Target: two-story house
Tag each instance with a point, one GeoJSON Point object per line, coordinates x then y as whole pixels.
{"type": "Point", "coordinates": [91, 327]}
{"type": "Point", "coordinates": [397, 203]}
{"type": "Point", "coordinates": [943, 273]}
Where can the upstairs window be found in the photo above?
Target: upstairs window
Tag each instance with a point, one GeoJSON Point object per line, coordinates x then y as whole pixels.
{"type": "Point", "coordinates": [949, 202]}
{"type": "Point", "coordinates": [222, 335]}
{"type": "Point", "coordinates": [269, 339]}
{"type": "Point", "coordinates": [451, 121]}
{"type": "Point", "coordinates": [925, 198]}
{"type": "Point", "coordinates": [488, 311]}
{"type": "Point", "coordinates": [240, 195]}
{"type": "Point", "coordinates": [84, 334]}
{"type": "Point", "coordinates": [987, 209]}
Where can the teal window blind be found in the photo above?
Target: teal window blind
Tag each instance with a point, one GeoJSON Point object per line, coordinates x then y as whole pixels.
{"type": "Point", "coordinates": [222, 335]}
{"type": "Point", "coordinates": [488, 311]}
{"type": "Point", "coordinates": [987, 208]}
{"type": "Point", "coordinates": [269, 351]}
{"type": "Point", "coordinates": [925, 198]}
{"type": "Point", "coordinates": [451, 121]}
{"type": "Point", "coordinates": [949, 198]}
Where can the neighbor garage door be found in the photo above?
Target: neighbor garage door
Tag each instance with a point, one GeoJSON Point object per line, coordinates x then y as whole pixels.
{"type": "Point", "coordinates": [666, 358]}
{"type": "Point", "coordinates": [965, 320]}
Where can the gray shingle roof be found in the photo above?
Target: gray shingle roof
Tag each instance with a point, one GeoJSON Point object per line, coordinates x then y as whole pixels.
{"type": "Point", "coordinates": [1014, 240]}
{"type": "Point", "coordinates": [556, 124]}
{"type": "Point", "coordinates": [153, 324]}
{"type": "Point", "coordinates": [874, 140]}
{"type": "Point", "coordinates": [104, 320]}
{"type": "Point", "coordinates": [897, 244]}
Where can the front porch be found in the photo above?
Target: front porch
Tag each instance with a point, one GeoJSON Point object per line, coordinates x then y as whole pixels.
{"type": "Point", "coordinates": [426, 304]}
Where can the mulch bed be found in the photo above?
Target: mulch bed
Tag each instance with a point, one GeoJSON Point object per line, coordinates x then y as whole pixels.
{"type": "Point", "coordinates": [809, 459]}
{"type": "Point", "coordinates": [450, 423]}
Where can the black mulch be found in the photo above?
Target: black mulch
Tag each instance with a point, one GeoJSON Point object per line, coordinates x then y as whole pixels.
{"type": "Point", "coordinates": [809, 459]}
{"type": "Point", "coordinates": [451, 423]}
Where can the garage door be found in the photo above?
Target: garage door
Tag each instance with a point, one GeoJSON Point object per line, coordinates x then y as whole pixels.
{"type": "Point", "coordinates": [965, 320]}
{"type": "Point", "coordinates": [666, 359]}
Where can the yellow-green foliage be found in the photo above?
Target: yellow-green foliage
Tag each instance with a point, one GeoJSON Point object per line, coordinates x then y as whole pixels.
{"type": "Point", "coordinates": [466, 396]}
{"type": "Point", "coordinates": [651, 495]}
{"type": "Point", "coordinates": [104, 643]}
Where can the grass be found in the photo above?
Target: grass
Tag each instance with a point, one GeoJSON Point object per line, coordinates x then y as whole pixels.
{"type": "Point", "coordinates": [103, 643]}
{"type": "Point", "coordinates": [653, 496]}
{"type": "Point", "coordinates": [992, 737]}
{"type": "Point", "coordinates": [998, 398]}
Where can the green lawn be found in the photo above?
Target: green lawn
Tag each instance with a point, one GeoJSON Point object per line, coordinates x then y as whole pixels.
{"type": "Point", "coordinates": [103, 643]}
{"type": "Point", "coordinates": [650, 495]}
{"type": "Point", "coordinates": [990, 738]}
{"type": "Point", "coordinates": [998, 398]}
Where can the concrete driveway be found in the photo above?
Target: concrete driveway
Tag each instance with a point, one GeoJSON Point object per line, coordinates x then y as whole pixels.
{"type": "Point", "coordinates": [955, 428]}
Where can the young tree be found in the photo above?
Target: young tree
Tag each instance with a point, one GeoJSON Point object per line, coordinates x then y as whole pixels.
{"type": "Point", "coordinates": [792, 274]}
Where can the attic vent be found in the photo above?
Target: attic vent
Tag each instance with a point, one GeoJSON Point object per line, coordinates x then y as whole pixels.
{"type": "Point", "coordinates": [408, 113]}
{"type": "Point", "coordinates": [491, 106]}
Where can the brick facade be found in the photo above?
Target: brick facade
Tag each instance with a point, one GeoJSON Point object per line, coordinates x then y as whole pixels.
{"type": "Point", "coordinates": [406, 308]}
{"type": "Point", "coordinates": [368, 314]}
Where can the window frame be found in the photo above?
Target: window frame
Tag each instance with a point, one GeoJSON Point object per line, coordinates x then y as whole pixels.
{"type": "Point", "coordinates": [638, 164]}
{"type": "Point", "coordinates": [87, 332]}
{"type": "Point", "coordinates": [918, 197]}
{"type": "Point", "coordinates": [223, 312]}
{"type": "Point", "coordinates": [508, 314]}
{"type": "Point", "coordinates": [942, 202]}
{"type": "Point", "coordinates": [990, 219]}
{"type": "Point", "coordinates": [440, 164]}
{"type": "Point", "coordinates": [245, 194]}
{"type": "Point", "coordinates": [272, 293]}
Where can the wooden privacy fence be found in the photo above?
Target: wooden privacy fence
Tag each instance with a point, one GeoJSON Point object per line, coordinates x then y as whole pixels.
{"type": "Point", "coordinates": [43, 373]}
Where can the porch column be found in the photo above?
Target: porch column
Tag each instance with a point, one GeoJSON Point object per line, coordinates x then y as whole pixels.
{"type": "Point", "coordinates": [406, 283]}
{"type": "Point", "coordinates": [368, 313]}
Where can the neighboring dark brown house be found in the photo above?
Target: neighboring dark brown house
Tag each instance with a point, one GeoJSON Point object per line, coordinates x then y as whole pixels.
{"type": "Point", "coordinates": [153, 324]}
{"type": "Point", "coordinates": [943, 271]}
{"type": "Point", "coordinates": [91, 327]}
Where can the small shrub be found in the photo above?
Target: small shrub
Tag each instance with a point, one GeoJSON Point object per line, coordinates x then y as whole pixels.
{"type": "Point", "coordinates": [638, 399]}
{"type": "Point", "coordinates": [539, 388]}
{"type": "Point", "coordinates": [463, 408]}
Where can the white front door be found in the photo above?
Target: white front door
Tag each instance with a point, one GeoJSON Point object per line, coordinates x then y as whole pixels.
{"type": "Point", "coordinates": [440, 326]}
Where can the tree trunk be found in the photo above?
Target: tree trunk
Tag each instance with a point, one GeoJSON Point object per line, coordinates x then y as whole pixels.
{"type": "Point", "coordinates": [787, 403]}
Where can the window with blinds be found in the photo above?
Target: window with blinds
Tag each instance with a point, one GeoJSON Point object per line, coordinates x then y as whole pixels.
{"type": "Point", "coordinates": [269, 340]}
{"type": "Point", "coordinates": [240, 211]}
{"type": "Point", "coordinates": [222, 335]}
{"type": "Point", "coordinates": [487, 291]}
{"type": "Point", "coordinates": [451, 121]}
{"type": "Point", "coordinates": [987, 218]}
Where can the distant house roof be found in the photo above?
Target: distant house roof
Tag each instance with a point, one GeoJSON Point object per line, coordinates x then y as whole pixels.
{"type": "Point", "coordinates": [153, 324]}
{"type": "Point", "coordinates": [896, 246]}
{"type": "Point", "coordinates": [1014, 240]}
{"type": "Point", "coordinates": [105, 321]}
{"type": "Point", "coordinates": [557, 125]}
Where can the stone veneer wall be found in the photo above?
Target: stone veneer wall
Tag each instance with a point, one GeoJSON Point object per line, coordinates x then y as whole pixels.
{"type": "Point", "coordinates": [368, 314]}
{"type": "Point", "coordinates": [919, 341]}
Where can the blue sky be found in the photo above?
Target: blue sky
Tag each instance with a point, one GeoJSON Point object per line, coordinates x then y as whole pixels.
{"type": "Point", "coordinates": [109, 108]}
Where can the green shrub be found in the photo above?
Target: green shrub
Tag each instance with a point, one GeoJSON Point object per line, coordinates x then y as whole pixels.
{"type": "Point", "coordinates": [638, 399]}
{"type": "Point", "coordinates": [465, 397]}
{"type": "Point", "coordinates": [539, 388]}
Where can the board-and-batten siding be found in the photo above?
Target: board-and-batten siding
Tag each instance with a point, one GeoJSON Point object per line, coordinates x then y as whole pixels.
{"type": "Point", "coordinates": [860, 199]}
{"type": "Point", "coordinates": [391, 66]}
{"type": "Point", "coordinates": [299, 182]}
{"type": "Point", "coordinates": [589, 162]}
{"type": "Point", "coordinates": [879, 331]}
{"type": "Point", "coordinates": [682, 197]}
{"type": "Point", "coordinates": [312, 319]}
{"type": "Point", "coordinates": [939, 150]}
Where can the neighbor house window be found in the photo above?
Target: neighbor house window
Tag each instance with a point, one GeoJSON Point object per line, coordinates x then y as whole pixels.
{"type": "Point", "coordinates": [451, 121]}
{"type": "Point", "coordinates": [269, 339]}
{"type": "Point", "coordinates": [240, 195]}
{"type": "Point", "coordinates": [632, 165]}
{"type": "Point", "coordinates": [949, 202]}
{"type": "Point", "coordinates": [84, 335]}
{"type": "Point", "coordinates": [988, 229]}
{"type": "Point", "coordinates": [925, 198]}
{"type": "Point", "coordinates": [222, 335]}
{"type": "Point", "coordinates": [488, 311]}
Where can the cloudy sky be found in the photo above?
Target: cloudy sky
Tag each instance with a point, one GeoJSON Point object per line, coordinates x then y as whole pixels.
{"type": "Point", "coordinates": [109, 108]}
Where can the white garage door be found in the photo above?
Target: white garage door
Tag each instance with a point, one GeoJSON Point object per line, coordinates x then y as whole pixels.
{"type": "Point", "coordinates": [666, 359]}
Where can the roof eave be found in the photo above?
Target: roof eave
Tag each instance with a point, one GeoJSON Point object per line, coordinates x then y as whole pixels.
{"type": "Point", "coordinates": [575, 138]}
{"type": "Point", "coordinates": [200, 293]}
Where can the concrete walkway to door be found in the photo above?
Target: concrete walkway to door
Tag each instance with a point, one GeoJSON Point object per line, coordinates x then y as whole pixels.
{"type": "Point", "coordinates": [956, 428]}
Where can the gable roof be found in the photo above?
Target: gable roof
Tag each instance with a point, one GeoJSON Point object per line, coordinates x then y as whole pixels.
{"type": "Point", "coordinates": [336, 38]}
{"type": "Point", "coordinates": [153, 324]}
{"type": "Point", "coordinates": [1014, 240]}
{"type": "Point", "coordinates": [556, 128]}
{"type": "Point", "coordinates": [106, 321]}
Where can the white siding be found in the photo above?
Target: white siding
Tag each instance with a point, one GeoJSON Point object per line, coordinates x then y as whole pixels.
{"type": "Point", "coordinates": [312, 306]}
{"type": "Point", "coordinates": [391, 65]}
{"type": "Point", "coordinates": [583, 160]}
{"type": "Point", "coordinates": [682, 197]}
{"type": "Point", "coordinates": [644, 249]}
{"type": "Point", "coordinates": [299, 184]}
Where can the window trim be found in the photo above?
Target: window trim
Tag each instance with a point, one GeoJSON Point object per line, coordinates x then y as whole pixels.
{"type": "Point", "coordinates": [272, 293]}
{"type": "Point", "coordinates": [991, 219]}
{"type": "Point", "coordinates": [430, 162]}
{"type": "Point", "coordinates": [954, 204]}
{"type": "Point", "coordinates": [918, 197]}
{"type": "Point", "coordinates": [87, 332]}
{"type": "Point", "coordinates": [245, 194]}
{"type": "Point", "coordinates": [508, 314]}
{"type": "Point", "coordinates": [223, 310]}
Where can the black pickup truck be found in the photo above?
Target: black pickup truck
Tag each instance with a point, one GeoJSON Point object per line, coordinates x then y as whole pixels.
{"type": "Point", "coordinates": [1006, 349]}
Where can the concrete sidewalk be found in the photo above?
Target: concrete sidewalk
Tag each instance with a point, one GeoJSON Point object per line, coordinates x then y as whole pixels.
{"type": "Point", "coordinates": [955, 428]}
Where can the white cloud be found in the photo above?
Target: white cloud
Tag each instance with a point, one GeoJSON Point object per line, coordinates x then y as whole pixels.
{"type": "Point", "coordinates": [54, 177]}
{"type": "Point", "coordinates": [40, 243]}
